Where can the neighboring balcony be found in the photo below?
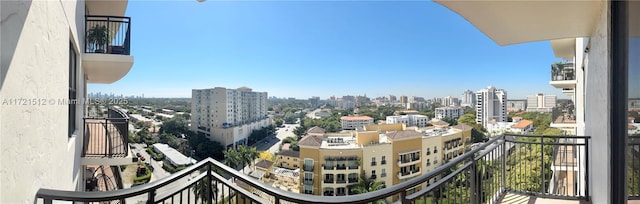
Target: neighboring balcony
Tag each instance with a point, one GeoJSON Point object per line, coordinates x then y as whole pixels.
{"type": "Point", "coordinates": [563, 76]}
{"type": "Point", "coordinates": [106, 139]}
{"type": "Point", "coordinates": [408, 174]}
{"type": "Point", "coordinates": [107, 49]}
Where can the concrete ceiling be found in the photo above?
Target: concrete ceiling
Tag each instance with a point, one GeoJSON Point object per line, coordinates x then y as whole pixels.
{"type": "Point", "coordinates": [106, 7]}
{"type": "Point", "coordinates": [512, 22]}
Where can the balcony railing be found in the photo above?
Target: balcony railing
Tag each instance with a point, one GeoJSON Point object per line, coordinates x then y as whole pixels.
{"type": "Point", "coordinates": [633, 161]}
{"type": "Point", "coordinates": [560, 72]}
{"type": "Point", "coordinates": [106, 136]}
{"type": "Point", "coordinates": [108, 34]}
{"type": "Point", "coordinates": [307, 167]}
{"type": "Point", "coordinates": [504, 164]}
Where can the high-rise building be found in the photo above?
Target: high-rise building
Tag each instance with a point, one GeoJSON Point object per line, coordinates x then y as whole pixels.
{"type": "Point", "coordinates": [516, 105]}
{"type": "Point", "coordinates": [388, 153]}
{"type": "Point", "coordinates": [314, 101]}
{"type": "Point", "coordinates": [541, 103]}
{"type": "Point", "coordinates": [228, 115]}
{"type": "Point", "coordinates": [48, 61]}
{"type": "Point", "coordinates": [491, 105]}
{"type": "Point", "coordinates": [468, 99]}
{"type": "Point", "coordinates": [404, 100]}
{"type": "Point", "coordinates": [393, 98]}
{"type": "Point", "coordinates": [449, 111]}
{"type": "Point", "coordinates": [450, 101]}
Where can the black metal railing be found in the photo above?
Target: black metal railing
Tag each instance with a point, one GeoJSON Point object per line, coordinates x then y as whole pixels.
{"type": "Point", "coordinates": [108, 34]}
{"type": "Point", "coordinates": [504, 164]}
{"type": "Point", "coordinates": [633, 169]}
{"type": "Point", "coordinates": [106, 136]}
{"type": "Point", "coordinates": [560, 72]}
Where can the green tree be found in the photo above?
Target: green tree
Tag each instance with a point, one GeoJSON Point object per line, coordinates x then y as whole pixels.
{"type": "Point", "coordinates": [289, 118]}
{"type": "Point", "coordinates": [201, 190]}
{"type": "Point", "coordinates": [175, 126]}
{"type": "Point", "coordinates": [300, 131]}
{"type": "Point", "coordinates": [367, 184]}
{"type": "Point", "coordinates": [451, 121]}
{"type": "Point", "coordinates": [233, 158]}
{"type": "Point", "coordinates": [248, 155]}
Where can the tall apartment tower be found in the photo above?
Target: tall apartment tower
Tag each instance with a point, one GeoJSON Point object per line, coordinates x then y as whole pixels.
{"type": "Point", "coordinates": [228, 115]}
{"type": "Point", "coordinates": [541, 103]}
{"type": "Point", "coordinates": [468, 98]}
{"type": "Point", "coordinates": [450, 101]}
{"type": "Point", "coordinates": [491, 105]}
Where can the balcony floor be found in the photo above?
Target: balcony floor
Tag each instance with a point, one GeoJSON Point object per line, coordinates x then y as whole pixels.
{"type": "Point", "coordinates": [99, 137]}
{"type": "Point", "coordinates": [511, 198]}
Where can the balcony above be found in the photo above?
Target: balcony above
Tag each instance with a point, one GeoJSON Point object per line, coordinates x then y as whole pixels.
{"type": "Point", "coordinates": [106, 56]}
{"type": "Point", "coordinates": [563, 76]}
{"type": "Point", "coordinates": [106, 140]}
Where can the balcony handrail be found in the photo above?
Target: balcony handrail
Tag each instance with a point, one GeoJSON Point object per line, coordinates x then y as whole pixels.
{"type": "Point", "coordinates": [467, 160]}
{"type": "Point", "coordinates": [118, 34]}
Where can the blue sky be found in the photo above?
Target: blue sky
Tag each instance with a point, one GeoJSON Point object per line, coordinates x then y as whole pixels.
{"type": "Point", "coordinates": [322, 48]}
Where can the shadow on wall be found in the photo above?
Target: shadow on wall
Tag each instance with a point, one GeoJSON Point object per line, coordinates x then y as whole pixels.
{"type": "Point", "coordinates": [14, 14]}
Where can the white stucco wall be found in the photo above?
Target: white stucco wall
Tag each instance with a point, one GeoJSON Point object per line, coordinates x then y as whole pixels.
{"type": "Point", "coordinates": [36, 151]}
{"type": "Point", "coordinates": [598, 115]}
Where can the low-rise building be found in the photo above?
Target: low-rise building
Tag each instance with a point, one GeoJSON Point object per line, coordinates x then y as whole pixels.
{"type": "Point", "coordinates": [137, 117]}
{"type": "Point", "coordinates": [409, 120]}
{"type": "Point", "coordinates": [387, 153]}
{"type": "Point", "coordinates": [353, 122]}
{"type": "Point", "coordinates": [522, 126]}
{"type": "Point", "coordinates": [172, 156]}
{"type": "Point", "coordinates": [288, 159]}
{"type": "Point", "coordinates": [449, 111]}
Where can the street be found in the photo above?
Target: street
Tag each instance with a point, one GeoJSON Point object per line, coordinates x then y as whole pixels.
{"type": "Point", "coordinates": [158, 171]}
{"type": "Point", "coordinates": [271, 143]}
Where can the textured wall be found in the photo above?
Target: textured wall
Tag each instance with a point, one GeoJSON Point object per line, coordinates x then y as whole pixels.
{"type": "Point", "coordinates": [36, 150]}
{"type": "Point", "coordinates": [597, 103]}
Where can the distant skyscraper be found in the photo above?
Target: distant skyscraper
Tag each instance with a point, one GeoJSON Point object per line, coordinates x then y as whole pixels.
{"type": "Point", "coordinates": [450, 101]}
{"type": "Point", "coordinates": [404, 100]}
{"type": "Point", "coordinates": [541, 103]}
{"type": "Point", "coordinates": [491, 105]}
{"type": "Point", "coordinates": [392, 98]}
{"type": "Point", "coordinates": [468, 98]}
{"type": "Point", "coordinates": [314, 101]}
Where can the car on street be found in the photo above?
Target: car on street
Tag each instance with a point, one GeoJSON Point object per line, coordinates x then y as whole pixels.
{"type": "Point", "coordinates": [149, 166]}
{"type": "Point", "coordinates": [138, 154]}
{"type": "Point", "coordinates": [142, 158]}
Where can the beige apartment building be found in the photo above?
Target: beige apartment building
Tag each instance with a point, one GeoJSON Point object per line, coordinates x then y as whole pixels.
{"type": "Point", "coordinates": [388, 153]}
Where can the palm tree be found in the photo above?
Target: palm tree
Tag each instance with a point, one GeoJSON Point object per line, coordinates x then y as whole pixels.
{"type": "Point", "coordinates": [233, 158]}
{"type": "Point", "coordinates": [201, 190]}
{"type": "Point", "coordinates": [252, 154]}
{"type": "Point", "coordinates": [367, 184]}
{"type": "Point", "coordinates": [243, 153]}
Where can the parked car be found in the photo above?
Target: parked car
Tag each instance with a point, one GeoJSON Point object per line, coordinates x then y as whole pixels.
{"type": "Point", "coordinates": [138, 154]}
{"type": "Point", "coordinates": [149, 166]}
{"type": "Point", "coordinates": [142, 158]}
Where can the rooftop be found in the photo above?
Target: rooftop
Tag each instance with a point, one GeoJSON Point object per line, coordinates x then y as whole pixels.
{"type": "Point", "coordinates": [173, 155]}
{"type": "Point", "coordinates": [339, 142]}
{"type": "Point", "coordinates": [265, 164]}
{"type": "Point", "coordinates": [311, 141]}
{"type": "Point", "coordinates": [396, 135]}
{"type": "Point", "coordinates": [356, 118]}
{"type": "Point", "coordinates": [523, 124]}
{"type": "Point", "coordinates": [316, 129]}
{"type": "Point", "coordinates": [289, 153]}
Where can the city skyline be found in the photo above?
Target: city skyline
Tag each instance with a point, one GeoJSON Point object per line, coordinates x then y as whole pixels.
{"type": "Point", "coordinates": [305, 49]}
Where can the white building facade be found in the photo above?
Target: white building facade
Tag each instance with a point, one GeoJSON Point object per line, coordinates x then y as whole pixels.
{"type": "Point", "coordinates": [450, 111]}
{"type": "Point", "coordinates": [541, 103]}
{"type": "Point", "coordinates": [409, 120]}
{"type": "Point", "coordinates": [228, 116]}
{"type": "Point", "coordinates": [491, 105]}
{"type": "Point", "coordinates": [468, 99]}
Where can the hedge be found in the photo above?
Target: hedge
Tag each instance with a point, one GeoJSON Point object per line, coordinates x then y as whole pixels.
{"type": "Point", "coordinates": [154, 155]}
{"type": "Point", "coordinates": [143, 179]}
{"type": "Point", "coordinates": [170, 168]}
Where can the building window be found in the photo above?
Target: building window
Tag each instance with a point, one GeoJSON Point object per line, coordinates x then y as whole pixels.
{"type": "Point", "coordinates": [73, 88]}
{"type": "Point", "coordinates": [373, 161]}
{"type": "Point", "coordinates": [383, 160]}
{"type": "Point", "coordinates": [383, 173]}
{"type": "Point", "coordinates": [308, 189]}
